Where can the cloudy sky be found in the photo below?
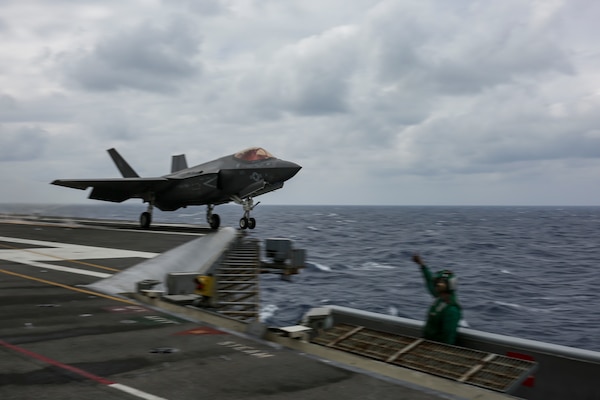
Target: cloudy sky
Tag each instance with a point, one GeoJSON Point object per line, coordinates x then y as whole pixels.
{"type": "Point", "coordinates": [382, 102]}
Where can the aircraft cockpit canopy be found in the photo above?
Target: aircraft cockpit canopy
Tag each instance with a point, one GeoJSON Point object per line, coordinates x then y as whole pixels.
{"type": "Point", "coordinates": [253, 154]}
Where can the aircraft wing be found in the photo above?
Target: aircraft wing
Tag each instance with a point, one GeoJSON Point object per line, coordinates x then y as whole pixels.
{"type": "Point", "coordinates": [116, 189]}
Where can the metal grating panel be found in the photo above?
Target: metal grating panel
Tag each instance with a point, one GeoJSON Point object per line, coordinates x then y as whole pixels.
{"type": "Point", "coordinates": [237, 282]}
{"type": "Point", "coordinates": [487, 370]}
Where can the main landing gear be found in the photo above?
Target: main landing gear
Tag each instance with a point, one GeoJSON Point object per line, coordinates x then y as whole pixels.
{"type": "Point", "coordinates": [213, 219]}
{"type": "Point", "coordinates": [146, 217]}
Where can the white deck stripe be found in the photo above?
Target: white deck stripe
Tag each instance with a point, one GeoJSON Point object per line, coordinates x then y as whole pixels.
{"type": "Point", "coordinates": [53, 251]}
{"type": "Point", "coordinates": [64, 269]}
{"type": "Point", "coordinates": [135, 392]}
{"type": "Point", "coordinates": [77, 251]}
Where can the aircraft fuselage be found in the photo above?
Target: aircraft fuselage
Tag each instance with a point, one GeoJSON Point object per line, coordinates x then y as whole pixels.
{"type": "Point", "coordinates": [215, 182]}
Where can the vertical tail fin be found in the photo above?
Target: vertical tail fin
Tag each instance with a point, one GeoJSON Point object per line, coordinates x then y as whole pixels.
{"type": "Point", "coordinates": [178, 163]}
{"type": "Point", "coordinates": [123, 166]}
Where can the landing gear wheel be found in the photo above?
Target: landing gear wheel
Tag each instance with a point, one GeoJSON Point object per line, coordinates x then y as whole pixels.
{"type": "Point", "coordinates": [246, 222]}
{"type": "Point", "coordinates": [215, 221]}
{"type": "Point", "coordinates": [145, 220]}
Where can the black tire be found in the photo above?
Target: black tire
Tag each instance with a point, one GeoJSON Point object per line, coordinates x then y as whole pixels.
{"type": "Point", "coordinates": [243, 223]}
{"type": "Point", "coordinates": [251, 223]}
{"type": "Point", "coordinates": [145, 220]}
{"type": "Point", "coordinates": [215, 221]}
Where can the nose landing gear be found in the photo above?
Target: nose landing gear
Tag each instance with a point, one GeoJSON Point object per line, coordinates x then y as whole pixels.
{"type": "Point", "coordinates": [247, 222]}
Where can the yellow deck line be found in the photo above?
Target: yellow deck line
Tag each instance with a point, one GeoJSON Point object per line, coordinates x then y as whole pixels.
{"type": "Point", "coordinates": [67, 287]}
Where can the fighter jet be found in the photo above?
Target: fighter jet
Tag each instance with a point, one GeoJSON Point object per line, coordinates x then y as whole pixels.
{"type": "Point", "coordinates": [237, 177]}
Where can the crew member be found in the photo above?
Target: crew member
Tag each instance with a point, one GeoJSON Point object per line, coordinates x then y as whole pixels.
{"type": "Point", "coordinates": [445, 312]}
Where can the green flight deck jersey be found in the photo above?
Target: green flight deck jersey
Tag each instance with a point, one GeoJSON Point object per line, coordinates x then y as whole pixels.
{"type": "Point", "coordinates": [443, 316]}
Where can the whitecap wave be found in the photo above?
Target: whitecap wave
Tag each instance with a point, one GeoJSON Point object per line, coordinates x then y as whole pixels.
{"type": "Point", "coordinates": [373, 266]}
{"type": "Point", "coordinates": [505, 304]}
{"type": "Point", "coordinates": [521, 307]}
{"type": "Point", "coordinates": [267, 312]}
{"type": "Point", "coordinates": [188, 215]}
{"type": "Point", "coordinates": [318, 267]}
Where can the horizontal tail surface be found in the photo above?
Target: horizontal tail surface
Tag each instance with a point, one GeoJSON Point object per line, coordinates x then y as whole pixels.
{"type": "Point", "coordinates": [123, 166]}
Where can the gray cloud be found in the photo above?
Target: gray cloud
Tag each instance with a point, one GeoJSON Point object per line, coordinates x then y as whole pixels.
{"type": "Point", "coordinates": [201, 7]}
{"type": "Point", "coordinates": [465, 51]}
{"type": "Point", "coordinates": [22, 144]}
{"type": "Point", "coordinates": [7, 104]}
{"type": "Point", "coordinates": [150, 57]}
{"type": "Point", "coordinates": [52, 108]}
{"type": "Point", "coordinates": [310, 77]}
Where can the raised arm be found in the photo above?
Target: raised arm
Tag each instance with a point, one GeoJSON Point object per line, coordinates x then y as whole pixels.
{"type": "Point", "coordinates": [426, 274]}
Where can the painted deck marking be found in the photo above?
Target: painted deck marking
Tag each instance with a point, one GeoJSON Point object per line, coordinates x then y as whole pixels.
{"type": "Point", "coordinates": [76, 289]}
{"type": "Point", "coordinates": [59, 258]}
{"type": "Point", "coordinates": [252, 351]}
{"type": "Point", "coordinates": [202, 330]}
{"type": "Point", "coordinates": [65, 252]}
{"type": "Point", "coordinates": [78, 371]}
{"type": "Point", "coordinates": [127, 309]}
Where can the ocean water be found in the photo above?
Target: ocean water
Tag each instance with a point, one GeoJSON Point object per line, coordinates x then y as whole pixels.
{"type": "Point", "coordinates": [531, 272]}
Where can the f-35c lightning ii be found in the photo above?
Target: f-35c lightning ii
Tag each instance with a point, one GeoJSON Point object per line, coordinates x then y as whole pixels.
{"type": "Point", "coordinates": [238, 177]}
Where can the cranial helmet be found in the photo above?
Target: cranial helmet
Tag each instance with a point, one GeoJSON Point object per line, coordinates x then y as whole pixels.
{"type": "Point", "coordinates": [447, 277]}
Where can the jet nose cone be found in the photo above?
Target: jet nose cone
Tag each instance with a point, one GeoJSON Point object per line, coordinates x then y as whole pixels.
{"type": "Point", "coordinates": [288, 169]}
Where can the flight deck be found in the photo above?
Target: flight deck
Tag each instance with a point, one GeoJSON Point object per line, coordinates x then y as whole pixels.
{"type": "Point", "coordinates": [59, 339]}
